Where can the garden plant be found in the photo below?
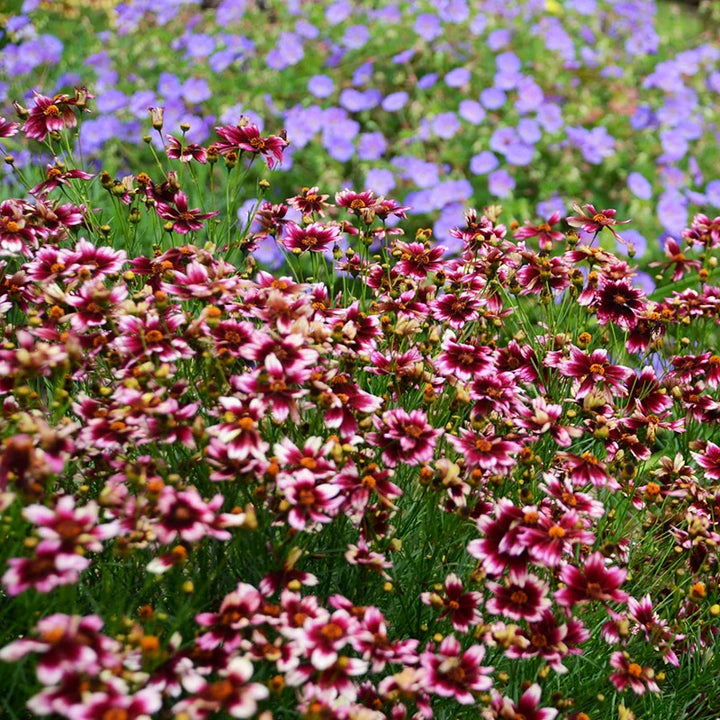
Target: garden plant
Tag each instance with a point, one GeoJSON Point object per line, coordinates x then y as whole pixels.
{"type": "Point", "coordinates": [272, 447]}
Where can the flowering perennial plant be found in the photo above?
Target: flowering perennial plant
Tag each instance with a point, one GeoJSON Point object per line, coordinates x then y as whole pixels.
{"type": "Point", "coordinates": [392, 481]}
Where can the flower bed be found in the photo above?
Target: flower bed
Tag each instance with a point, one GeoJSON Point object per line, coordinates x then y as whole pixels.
{"type": "Point", "coordinates": [392, 482]}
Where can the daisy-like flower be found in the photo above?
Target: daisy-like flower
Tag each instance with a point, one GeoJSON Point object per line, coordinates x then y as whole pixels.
{"type": "Point", "coordinates": [586, 469]}
{"type": "Point", "coordinates": [312, 503]}
{"type": "Point", "coordinates": [549, 539]}
{"type": "Point", "coordinates": [543, 232]}
{"type": "Point", "coordinates": [7, 128]}
{"type": "Point", "coordinates": [709, 460]}
{"type": "Point", "coordinates": [231, 693]}
{"type": "Point", "coordinates": [404, 437]}
{"type": "Point", "coordinates": [65, 644]}
{"type": "Point", "coordinates": [540, 274]}
{"type": "Point", "coordinates": [453, 673]}
{"type": "Point", "coordinates": [620, 303]}
{"type": "Point", "coordinates": [238, 613]}
{"type": "Point", "coordinates": [630, 673]}
{"type": "Point", "coordinates": [594, 370]}
{"type": "Point", "coordinates": [313, 238]}
{"type": "Point", "coordinates": [524, 596]}
{"type": "Point", "coordinates": [485, 450]}
{"type": "Point", "coordinates": [117, 703]}
{"type": "Point", "coordinates": [501, 547]}
{"type": "Point", "coordinates": [50, 114]}
{"type": "Point", "coordinates": [355, 202]}
{"type": "Point", "coordinates": [183, 220]}
{"type": "Point", "coordinates": [246, 136]}
{"type": "Point", "coordinates": [185, 153]}
{"type": "Point", "coordinates": [594, 582]}
{"type": "Point", "coordinates": [58, 175]}
{"type": "Point", "coordinates": [322, 639]}
{"type": "Point", "coordinates": [457, 310]}
{"type": "Point", "coordinates": [309, 202]}
{"type": "Point", "coordinates": [676, 260]}
{"type": "Point", "coordinates": [542, 418]}
{"type": "Point", "coordinates": [418, 259]}
{"type": "Point", "coordinates": [462, 608]}
{"type": "Point", "coordinates": [593, 221]}
{"type": "Point", "coordinates": [463, 360]}
{"type": "Point", "coordinates": [526, 708]}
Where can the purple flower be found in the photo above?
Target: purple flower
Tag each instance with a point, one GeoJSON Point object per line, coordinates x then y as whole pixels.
{"type": "Point", "coordinates": [428, 26]}
{"type": "Point", "coordinates": [519, 153]}
{"type": "Point", "coordinates": [380, 180]}
{"type": "Point", "coordinates": [458, 77]}
{"type": "Point", "coordinates": [483, 163]}
{"type": "Point", "coordinates": [200, 45]}
{"type": "Point", "coordinates": [404, 57]}
{"type": "Point", "coordinates": [356, 101]}
{"type": "Point", "coordinates": [639, 186]}
{"type": "Point", "coordinates": [423, 173]}
{"type": "Point", "coordinates": [712, 193]}
{"type": "Point", "coordinates": [338, 12]}
{"type": "Point", "coordinates": [472, 111]}
{"type": "Point", "coordinates": [445, 125]}
{"type": "Point", "coordinates": [371, 146]}
{"type": "Point", "coordinates": [427, 81]}
{"type": "Point", "coordinates": [288, 51]}
{"type": "Point", "coordinates": [478, 25]}
{"type": "Point", "coordinates": [168, 84]}
{"type": "Point", "coordinates": [546, 208]}
{"type": "Point", "coordinates": [508, 62]}
{"type": "Point", "coordinates": [672, 212]}
{"type": "Point", "coordinates": [493, 98]}
{"type": "Point", "coordinates": [306, 29]}
{"type": "Point", "coordinates": [111, 101]}
{"type": "Point", "coordinates": [195, 90]}
{"type": "Point", "coordinates": [636, 240]}
{"type": "Point", "coordinates": [321, 86]}
{"type": "Point", "coordinates": [395, 101]}
{"type": "Point", "coordinates": [454, 11]}
{"type": "Point", "coordinates": [221, 60]}
{"type": "Point", "coordinates": [363, 74]}
{"type": "Point", "coordinates": [674, 145]}
{"type": "Point", "coordinates": [500, 183]}
{"type": "Point", "coordinates": [355, 37]}
{"type": "Point", "coordinates": [502, 139]}
{"type": "Point", "coordinates": [530, 96]}
{"type": "Point", "coordinates": [498, 39]}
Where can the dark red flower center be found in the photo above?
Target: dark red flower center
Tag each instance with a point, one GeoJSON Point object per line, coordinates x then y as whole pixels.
{"type": "Point", "coordinates": [519, 597]}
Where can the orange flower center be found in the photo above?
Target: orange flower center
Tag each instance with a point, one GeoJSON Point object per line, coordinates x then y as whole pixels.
{"type": "Point", "coordinates": [483, 445]}
{"type": "Point", "coordinates": [519, 597]}
{"type": "Point", "coordinates": [154, 336]}
{"type": "Point", "coordinates": [258, 143]}
{"type": "Point", "coordinates": [53, 111]}
{"type": "Point", "coordinates": [12, 226]}
{"type": "Point", "coordinates": [597, 369]}
{"type": "Point", "coordinates": [556, 532]}
{"type": "Point", "coordinates": [331, 631]}
{"type": "Point", "coordinates": [635, 670]}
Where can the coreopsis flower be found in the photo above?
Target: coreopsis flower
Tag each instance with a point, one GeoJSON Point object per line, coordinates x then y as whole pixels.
{"type": "Point", "coordinates": [246, 137]}
{"type": "Point", "coordinates": [97, 261]}
{"type": "Point", "coordinates": [184, 515]}
{"type": "Point", "coordinates": [72, 527]}
{"type": "Point", "coordinates": [703, 231]}
{"type": "Point", "coordinates": [322, 639]}
{"type": "Point", "coordinates": [231, 694]}
{"type": "Point", "coordinates": [462, 608]}
{"type": "Point", "coordinates": [313, 238]}
{"type": "Point", "coordinates": [457, 310]}
{"type": "Point", "coordinates": [239, 612]}
{"type": "Point", "coordinates": [630, 673]}
{"type": "Point", "coordinates": [56, 176]}
{"type": "Point", "coordinates": [312, 503]}
{"type": "Point", "coordinates": [586, 469]}
{"type": "Point", "coordinates": [523, 596]}
{"type": "Point", "coordinates": [355, 202]}
{"type": "Point", "coordinates": [176, 150]}
{"type": "Point", "coordinates": [676, 260]}
{"type": "Point", "coordinates": [593, 221]}
{"type": "Point", "coordinates": [550, 538]}
{"type": "Point", "coordinates": [544, 232]}
{"type": "Point", "coordinates": [501, 547]}
{"type": "Point", "coordinates": [17, 235]}
{"type": "Point", "coordinates": [152, 336]}
{"type": "Point", "coordinates": [618, 302]}
{"type": "Point", "coordinates": [65, 644]}
{"type": "Point", "coordinates": [709, 460]}
{"type": "Point", "coordinates": [50, 114]}
{"type": "Point", "coordinates": [404, 437]}
{"type": "Point", "coordinates": [542, 418]}
{"type": "Point", "coordinates": [117, 702]}
{"type": "Point", "coordinates": [540, 274]}
{"type": "Point", "coordinates": [464, 360]}
{"type": "Point", "coordinates": [418, 259]}
{"type": "Point", "coordinates": [450, 672]}
{"type": "Point", "coordinates": [503, 708]}
{"type": "Point", "coordinates": [550, 640]}
{"type": "Point", "coordinates": [344, 399]}
{"type": "Point", "coordinates": [485, 450]}
{"type": "Point", "coordinates": [594, 582]}
{"type": "Point", "coordinates": [591, 371]}
{"type": "Point", "coordinates": [50, 567]}
{"type": "Point", "coordinates": [183, 220]}
{"type": "Point", "coordinates": [7, 128]}
{"type": "Point", "coordinates": [359, 485]}
{"type": "Point", "coordinates": [310, 202]}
